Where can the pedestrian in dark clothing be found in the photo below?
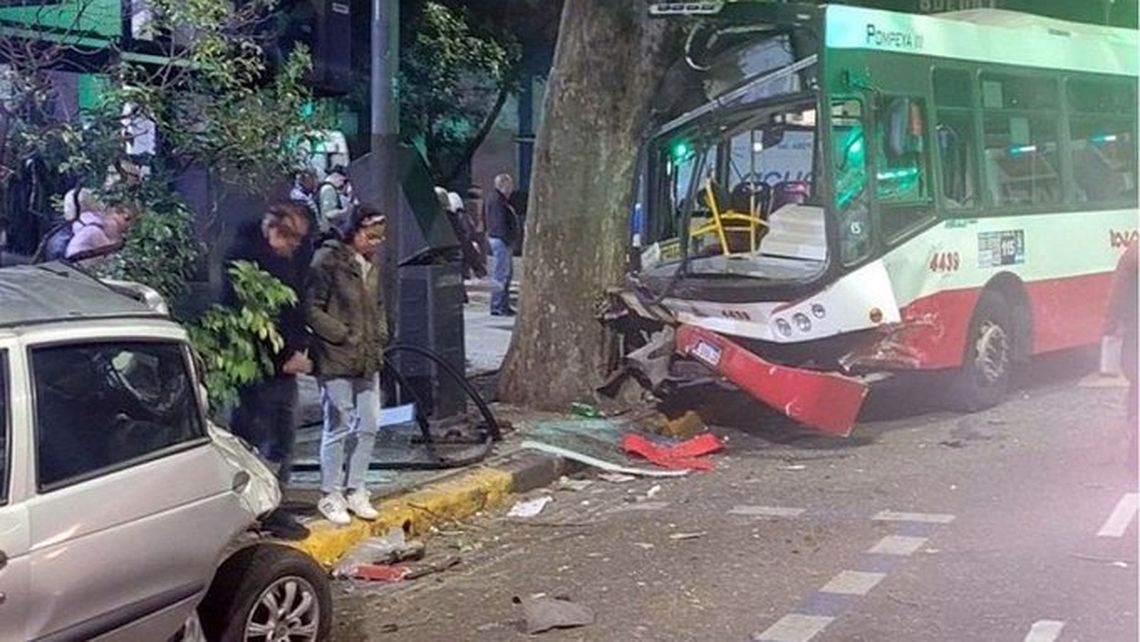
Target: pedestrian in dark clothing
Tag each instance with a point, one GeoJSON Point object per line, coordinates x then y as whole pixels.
{"type": "Point", "coordinates": [266, 415]}
{"type": "Point", "coordinates": [345, 309]}
{"type": "Point", "coordinates": [502, 232]}
{"type": "Point", "coordinates": [1122, 322]}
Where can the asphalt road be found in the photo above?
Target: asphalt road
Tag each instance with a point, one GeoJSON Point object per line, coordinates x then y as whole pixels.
{"type": "Point", "coordinates": [1013, 524]}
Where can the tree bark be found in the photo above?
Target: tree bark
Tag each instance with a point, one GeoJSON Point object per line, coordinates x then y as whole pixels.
{"type": "Point", "coordinates": [608, 62]}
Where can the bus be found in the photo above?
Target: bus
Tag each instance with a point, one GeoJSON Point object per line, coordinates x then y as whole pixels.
{"type": "Point", "coordinates": [858, 192]}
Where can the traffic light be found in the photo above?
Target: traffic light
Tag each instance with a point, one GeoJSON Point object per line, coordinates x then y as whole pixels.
{"type": "Point", "coordinates": [324, 27]}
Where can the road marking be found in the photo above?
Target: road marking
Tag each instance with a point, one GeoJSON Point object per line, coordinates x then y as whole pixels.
{"type": "Point", "coordinates": [795, 628]}
{"type": "Point", "coordinates": [767, 511]}
{"type": "Point", "coordinates": [1045, 631]}
{"type": "Point", "coordinates": [924, 518]}
{"type": "Point", "coordinates": [1121, 516]}
{"type": "Point", "coordinates": [853, 583]}
{"type": "Point", "coordinates": [898, 545]}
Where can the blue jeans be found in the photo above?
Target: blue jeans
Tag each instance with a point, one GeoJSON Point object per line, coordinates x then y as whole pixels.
{"type": "Point", "coordinates": [502, 271]}
{"type": "Point", "coordinates": [352, 419]}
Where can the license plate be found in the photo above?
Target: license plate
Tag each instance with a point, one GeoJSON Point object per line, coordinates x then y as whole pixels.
{"type": "Point", "coordinates": [707, 352]}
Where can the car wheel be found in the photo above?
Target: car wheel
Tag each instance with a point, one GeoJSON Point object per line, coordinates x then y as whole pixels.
{"type": "Point", "coordinates": [271, 594]}
{"type": "Point", "coordinates": [983, 380]}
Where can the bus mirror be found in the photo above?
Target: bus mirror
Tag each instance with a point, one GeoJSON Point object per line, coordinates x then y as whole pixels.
{"type": "Point", "coordinates": [772, 136]}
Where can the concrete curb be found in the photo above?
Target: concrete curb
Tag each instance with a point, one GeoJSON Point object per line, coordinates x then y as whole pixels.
{"type": "Point", "coordinates": [448, 500]}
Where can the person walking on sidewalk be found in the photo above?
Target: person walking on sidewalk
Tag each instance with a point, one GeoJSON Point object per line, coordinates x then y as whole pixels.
{"type": "Point", "coordinates": [267, 413]}
{"type": "Point", "coordinates": [346, 313]}
{"type": "Point", "coordinates": [502, 231]}
{"type": "Point", "coordinates": [1123, 321]}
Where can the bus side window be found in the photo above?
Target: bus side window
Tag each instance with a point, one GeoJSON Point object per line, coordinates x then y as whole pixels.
{"type": "Point", "coordinates": [955, 138]}
{"type": "Point", "coordinates": [901, 161]}
{"type": "Point", "coordinates": [1101, 121]}
{"type": "Point", "coordinates": [956, 145]}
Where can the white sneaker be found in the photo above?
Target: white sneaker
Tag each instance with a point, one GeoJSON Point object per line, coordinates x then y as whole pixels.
{"type": "Point", "coordinates": [335, 509]}
{"type": "Point", "coordinates": [360, 503]}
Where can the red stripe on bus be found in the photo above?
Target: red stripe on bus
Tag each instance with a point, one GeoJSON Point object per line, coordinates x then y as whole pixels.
{"type": "Point", "coordinates": [1067, 313]}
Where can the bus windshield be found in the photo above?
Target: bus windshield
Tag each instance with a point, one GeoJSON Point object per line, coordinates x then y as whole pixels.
{"type": "Point", "coordinates": [742, 187]}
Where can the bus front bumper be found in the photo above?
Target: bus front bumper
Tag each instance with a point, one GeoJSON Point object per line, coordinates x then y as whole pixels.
{"type": "Point", "coordinates": [824, 401]}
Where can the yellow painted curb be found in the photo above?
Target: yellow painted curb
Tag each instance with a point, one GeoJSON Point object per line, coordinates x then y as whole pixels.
{"type": "Point", "coordinates": [450, 500]}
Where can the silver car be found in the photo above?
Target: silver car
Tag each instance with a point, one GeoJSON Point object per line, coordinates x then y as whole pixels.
{"type": "Point", "coordinates": [124, 514]}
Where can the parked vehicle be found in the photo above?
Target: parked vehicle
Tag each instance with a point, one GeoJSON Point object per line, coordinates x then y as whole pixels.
{"type": "Point", "coordinates": [124, 513]}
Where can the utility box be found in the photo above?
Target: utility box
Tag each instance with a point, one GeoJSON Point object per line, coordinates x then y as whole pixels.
{"type": "Point", "coordinates": [431, 316]}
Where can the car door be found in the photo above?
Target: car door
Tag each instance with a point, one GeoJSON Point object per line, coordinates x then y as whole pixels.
{"type": "Point", "coordinates": [132, 506]}
{"type": "Point", "coordinates": [14, 537]}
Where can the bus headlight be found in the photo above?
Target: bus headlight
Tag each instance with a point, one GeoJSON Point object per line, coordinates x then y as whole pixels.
{"type": "Point", "coordinates": [817, 311]}
{"type": "Point", "coordinates": [802, 322]}
{"type": "Point", "coordinates": [784, 327]}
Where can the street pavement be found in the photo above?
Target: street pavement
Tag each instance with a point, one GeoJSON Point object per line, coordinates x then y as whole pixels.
{"type": "Point", "coordinates": [1018, 523]}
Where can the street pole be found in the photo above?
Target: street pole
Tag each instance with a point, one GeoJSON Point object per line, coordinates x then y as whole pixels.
{"type": "Point", "coordinates": [384, 166]}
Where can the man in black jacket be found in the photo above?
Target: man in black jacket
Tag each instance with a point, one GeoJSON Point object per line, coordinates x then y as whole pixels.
{"type": "Point", "coordinates": [502, 232]}
{"type": "Point", "coordinates": [266, 416]}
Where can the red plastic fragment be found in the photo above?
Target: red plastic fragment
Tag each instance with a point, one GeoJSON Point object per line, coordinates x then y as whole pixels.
{"type": "Point", "coordinates": [683, 456]}
{"type": "Point", "coordinates": [380, 573]}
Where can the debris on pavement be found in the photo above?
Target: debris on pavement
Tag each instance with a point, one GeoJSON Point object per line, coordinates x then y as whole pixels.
{"type": "Point", "coordinates": [686, 455]}
{"type": "Point", "coordinates": [379, 572]}
{"type": "Point", "coordinates": [576, 485]}
{"type": "Point", "coordinates": [594, 442]}
{"type": "Point", "coordinates": [598, 463]}
{"type": "Point", "coordinates": [416, 572]}
{"type": "Point", "coordinates": [586, 410]}
{"type": "Point", "coordinates": [687, 425]}
{"type": "Point", "coordinates": [644, 545]}
{"type": "Point", "coordinates": [547, 613]}
{"type": "Point", "coordinates": [652, 492]}
{"type": "Point", "coordinates": [685, 536]}
{"type": "Point", "coordinates": [616, 478]}
{"type": "Point", "coordinates": [530, 507]}
{"type": "Point", "coordinates": [387, 550]}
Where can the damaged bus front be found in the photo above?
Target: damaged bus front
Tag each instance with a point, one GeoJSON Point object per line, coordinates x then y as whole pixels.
{"type": "Point", "coordinates": [854, 192]}
{"type": "Point", "coordinates": [739, 243]}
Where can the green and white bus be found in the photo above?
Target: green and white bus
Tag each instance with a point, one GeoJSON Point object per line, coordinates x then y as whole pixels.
{"type": "Point", "coordinates": [862, 191]}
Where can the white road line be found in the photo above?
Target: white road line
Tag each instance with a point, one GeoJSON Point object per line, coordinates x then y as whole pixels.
{"type": "Point", "coordinates": [1121, 516]}
{"type": "Point", "coordinates": [925, 518]}
{"type": "Point", "coordinates": [1045, 631]}
{"type": "Point", "coordinates": [767, 511]}
{"type": "Point", "coordinates": [898, 545]}
{"type": "Point", "coordinates": [795, 628]}
{"type": "Point", "coordinates": [853, 583]}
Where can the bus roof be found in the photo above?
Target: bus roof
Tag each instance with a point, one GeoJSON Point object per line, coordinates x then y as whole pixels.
{"type": "Point", "coordinates": [987, 35]}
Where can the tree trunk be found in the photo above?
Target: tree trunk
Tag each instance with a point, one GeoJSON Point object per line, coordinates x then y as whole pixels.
{"type": "Point", "coordinates": [608, 63]}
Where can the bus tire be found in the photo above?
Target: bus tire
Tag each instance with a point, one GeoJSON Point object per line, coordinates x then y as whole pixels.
{"type": "Point", "coordinates": [984, 378]}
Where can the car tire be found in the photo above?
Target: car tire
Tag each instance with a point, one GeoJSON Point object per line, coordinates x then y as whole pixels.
{"type": "Point", "coordinates": [255, 578]}
{"type": "Point", "coordinates": [984, 378]}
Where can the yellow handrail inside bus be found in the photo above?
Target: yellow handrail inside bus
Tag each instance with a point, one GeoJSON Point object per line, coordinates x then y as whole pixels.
{"type": "Point", "coordinates": [725, 221]}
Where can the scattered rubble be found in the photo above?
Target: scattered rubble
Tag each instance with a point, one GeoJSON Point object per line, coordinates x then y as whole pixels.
{"type": "Point", "coordinates": [530, 507]}
{"type": "Point", "coordinates": [547, 613]}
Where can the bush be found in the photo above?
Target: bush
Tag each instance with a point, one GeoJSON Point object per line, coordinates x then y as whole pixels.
{"type": "Point", "coordinates": [238, 345]}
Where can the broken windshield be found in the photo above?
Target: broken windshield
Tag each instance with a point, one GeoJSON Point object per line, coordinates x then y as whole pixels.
{"type": "Point", "coordinates": [740, 187]}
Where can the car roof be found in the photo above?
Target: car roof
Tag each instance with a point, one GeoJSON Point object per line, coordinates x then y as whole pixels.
{"type": "Point", "coordinates": [54, 292]}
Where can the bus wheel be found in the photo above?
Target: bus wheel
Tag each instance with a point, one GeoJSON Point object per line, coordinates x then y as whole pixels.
{"type": "Point", "coordinates": [984, 378]}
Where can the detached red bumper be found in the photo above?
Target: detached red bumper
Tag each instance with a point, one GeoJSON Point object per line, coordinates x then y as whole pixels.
{"type": "Point", "coordinates": [825, 401]}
